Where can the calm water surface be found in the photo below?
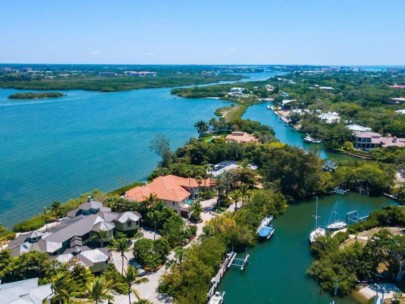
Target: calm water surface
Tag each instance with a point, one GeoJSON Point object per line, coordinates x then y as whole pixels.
{"type": "Point", "coordinates": [277, 269]}
{"type": "Point", "coordinates": [55, 149]}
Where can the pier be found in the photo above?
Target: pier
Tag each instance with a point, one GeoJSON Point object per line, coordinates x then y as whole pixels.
{"type": "Point", "coordinates": [230, 260]}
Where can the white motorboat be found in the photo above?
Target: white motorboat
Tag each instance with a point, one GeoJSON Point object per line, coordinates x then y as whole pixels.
{"type": "Point", "coordinates": [310, 139]}
{"type": "Point", "coordinates": [335, 224]}
{"type": "Point", "coordinates": [217, 298]}
{"type": "Point", "coordinates": [338, 225]}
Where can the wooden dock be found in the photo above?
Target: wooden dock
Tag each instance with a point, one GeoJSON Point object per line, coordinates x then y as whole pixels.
{"type": "Point", "coordinates": [230, 260]}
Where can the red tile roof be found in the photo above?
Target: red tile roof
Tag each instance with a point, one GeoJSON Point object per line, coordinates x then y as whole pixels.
{"type": "Point", "coordinates": [168, 188]}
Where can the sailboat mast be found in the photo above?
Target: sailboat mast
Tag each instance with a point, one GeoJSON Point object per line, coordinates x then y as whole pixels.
{"type": "Point", "coordinates": [316, 213]}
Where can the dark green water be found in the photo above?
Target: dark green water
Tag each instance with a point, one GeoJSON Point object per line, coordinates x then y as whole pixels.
{"type": "Point", "coordinates": [276, 271]}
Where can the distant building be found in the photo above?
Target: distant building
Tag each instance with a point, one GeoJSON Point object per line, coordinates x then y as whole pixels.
{"type": "Point", "coordinates": [397, 100]}
{"type": "Point", "coordinates": [107, 74]}
{"type": "Point", "coordinates": [25, 292]}
{"type": "Point", "coordinates": [367, 140]}
{"type": "Point", "coordinates": [401, 112]}
{"type": "Point", "coordinates": [222, 167]}
{"type": "Point", "coordinates": [140, 73]}
{"type": "Point", "coordinates": [269, 88]}
{"type": "Point", "coordinates": [236, 91]}
{"type": "Point", "coordinates": [326, 88]}
{"type": "Point", "coordinates": [174, 191]}
{"type": "Point", "coordinates": [358, 128]}
{"type": "Point", "coordinates": [241, 137]}
{"type": "Point", "coordinates": [397, 86]}
{"type": "Point", "coordinates": [371, 140]}
{"type": "Point", "coordinates": [329, 117]}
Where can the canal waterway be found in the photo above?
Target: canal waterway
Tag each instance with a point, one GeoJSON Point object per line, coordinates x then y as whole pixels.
{"type": "Point", "coordinates": [276, 272]}
{"type": "Point", "coordinates": [277, 268]}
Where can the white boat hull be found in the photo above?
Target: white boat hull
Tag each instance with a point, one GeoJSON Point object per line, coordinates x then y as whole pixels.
{"type": "Point", "coordinates": [316, 233]}
{"type": "Point", "coordinates": [339, 225]}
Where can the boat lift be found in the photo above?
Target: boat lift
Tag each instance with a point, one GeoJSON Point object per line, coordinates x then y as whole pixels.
{"type": "Point", "coordinates": [238, 262]}
{"type": "Point", "coordinates": [353, 217]}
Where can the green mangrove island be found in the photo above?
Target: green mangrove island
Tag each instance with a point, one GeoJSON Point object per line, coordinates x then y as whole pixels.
{"type": "Point", "coordinates": [36, 95]}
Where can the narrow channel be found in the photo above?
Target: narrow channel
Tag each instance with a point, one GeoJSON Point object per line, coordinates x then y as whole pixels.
{"type": "Point", "coordinates": [276, 272]}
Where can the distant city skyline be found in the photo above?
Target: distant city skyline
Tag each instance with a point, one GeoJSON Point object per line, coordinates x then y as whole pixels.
{"type": "Point", "coordinates": [312, 32]}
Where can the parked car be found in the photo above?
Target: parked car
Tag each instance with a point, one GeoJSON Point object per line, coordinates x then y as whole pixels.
{"type": "Point", "coordinates": [137, 266]}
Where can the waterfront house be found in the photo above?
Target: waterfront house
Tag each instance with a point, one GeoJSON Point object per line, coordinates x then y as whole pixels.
{"type": "Point", "coordinates": [370, 140]}
{"type": "Point", "coordinates": [329, 117]}
{"type": "Point", "coordinates": [326, 88]}
{"type": "Point", "coordinates": [241, 137]}
{"type": "Point", "coordinates": [397, 100]}
{"type": "Point", "coordinates": [174, 191]}
{"type": "Point", "coordinates": [236, 91]}
{"type": "Point", "coordinates": [25, 292]}
{"type": "Point", "coordinates": [366, 140]}
{"type": "Point", "coordinates": [397, 86]}
{"type": "Point", "coordinates": [81, 227]}
{"type": "Point", "coordinates": [96, 260]}
{"type": "Point", "coordinates": [357, 128]}
{"type": "Point", "coordinates": [222, 167]}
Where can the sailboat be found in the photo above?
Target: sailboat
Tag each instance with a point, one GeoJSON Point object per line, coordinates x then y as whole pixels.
{"type": "Point", "coordinates": [318, 231]}
{"type": "Point", "coordinates": [336, 224]}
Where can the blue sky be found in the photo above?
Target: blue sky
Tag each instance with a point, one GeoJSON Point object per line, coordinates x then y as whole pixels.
{"type": "Point", "coordinates": [352, 32]}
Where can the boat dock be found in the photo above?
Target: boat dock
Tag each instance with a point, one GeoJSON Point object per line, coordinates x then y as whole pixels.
{"type": "Point", "coordinates": [230, 260]}
{"type": "Point", "coordinates": [341, 191]}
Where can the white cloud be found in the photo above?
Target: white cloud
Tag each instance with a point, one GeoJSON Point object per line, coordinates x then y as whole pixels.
{"type": "Point", "coordinates": [96, 52]}
{"type": "Point", "coordinates": [275, 54]}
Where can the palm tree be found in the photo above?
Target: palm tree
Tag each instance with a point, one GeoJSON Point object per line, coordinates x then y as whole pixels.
{"type": "Point", "coordinates": [121, 245]}
{"type": "Point", "coordinates": [235, 196]}
{"type": "Point", "coordinates": [46, 214]}
{"type": "Point", "coordinates": [98, 290]}
{"type": "Point", "coordinates": [154, 216]}
{"type": "Point", "coordinates": [196, 210]}
{"type": "Point", "coordinates": [199, 180]}
{"type": "Point", "coordinates": [245, 193]}
{"type": "Point", "coordinates": [220, 187]}
{"type": "Point", "coordinates": [151, 200]}
{"type": "Point", "coordinates": [100, 236]}
{"type": "Point", "coordinates": [132, 277]}
{"type": "Point", "coordinates": [201, 126]}
{"type": "Point", "coordinates": [56, 209]}
{"type": "Point", "coordinates": [60, 288]}
{"type": "Point", "coordinates": [179, 254]}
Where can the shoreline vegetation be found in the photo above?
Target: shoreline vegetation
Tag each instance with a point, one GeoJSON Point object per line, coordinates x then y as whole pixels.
{"type": "Point", "coordinates": [113, 84]}
{"type": "Point", "coordinates": [41, 95]}
{"type": "Point", "coordinates": [285, 174]}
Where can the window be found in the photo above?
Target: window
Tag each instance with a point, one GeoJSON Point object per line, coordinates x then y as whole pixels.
{"type": "Point", "coordinates": [129, 223]}
{"type": "Point", "coordinates": [174, 203]}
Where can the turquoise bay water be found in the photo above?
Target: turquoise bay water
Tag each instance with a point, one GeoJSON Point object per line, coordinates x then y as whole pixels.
{"type": "Point", "coordinates": [56, 149]}
{"type": "Point", "coordinates": [284, 133]}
